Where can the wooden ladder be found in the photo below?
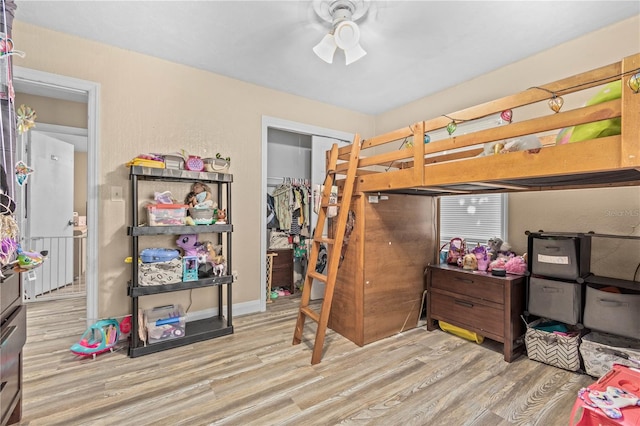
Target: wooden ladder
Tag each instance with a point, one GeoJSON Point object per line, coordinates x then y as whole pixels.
{"type": "Point", "coordinates": [334, 247]}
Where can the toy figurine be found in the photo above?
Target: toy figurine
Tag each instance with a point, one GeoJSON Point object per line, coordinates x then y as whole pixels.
{"type": "Point", "coordinates": [200, 196]}
{"type": "Point", "coordinates": [222, 216]}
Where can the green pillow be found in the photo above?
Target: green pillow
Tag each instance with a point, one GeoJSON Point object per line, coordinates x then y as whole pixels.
{"type": "Point", "coordinates": [599, 129]}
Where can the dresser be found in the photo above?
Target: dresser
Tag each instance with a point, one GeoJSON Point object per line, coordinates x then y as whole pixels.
{"type": "Point", "coordinates": [380, 283]}
{"type": "Point", "coordinates": [480, 302]}
{"type": "Point", "coordinates": [282, 269]}
{"type": "Point", "coordinates": [13, 328]}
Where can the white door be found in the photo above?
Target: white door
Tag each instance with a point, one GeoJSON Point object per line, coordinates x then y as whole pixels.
{"type": "Point", "coordinates": [49, 212]}
{"type": "Point", "coordinates": [319, 147]}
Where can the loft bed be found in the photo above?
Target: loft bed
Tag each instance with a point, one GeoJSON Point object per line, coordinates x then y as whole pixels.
{"type": "Point", "coordinates": [451, 165]}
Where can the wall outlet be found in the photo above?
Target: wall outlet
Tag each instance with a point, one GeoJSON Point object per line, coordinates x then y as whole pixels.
{"type": "Point", "coordinates": [234, 274]}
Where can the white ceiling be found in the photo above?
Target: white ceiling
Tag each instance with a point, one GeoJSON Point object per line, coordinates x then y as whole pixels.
{"type": "Point", "coordinates": [415, 48]}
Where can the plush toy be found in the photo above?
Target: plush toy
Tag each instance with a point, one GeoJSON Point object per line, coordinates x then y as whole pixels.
{"type": "Point", "coordinates": [482, 255]}
{"type": "Point", "coordinates": [200, 196]}
{"type": "Point", "coordinates": [189, 244]}
{"type": "Point", "coordinates": [516, 265]}
{"type": "Point", "coordinates": [470, 262]}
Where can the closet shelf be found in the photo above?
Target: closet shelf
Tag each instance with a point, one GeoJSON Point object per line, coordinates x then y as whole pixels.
{"type": "Point", "coordinates": [178, 230]}
{"type": "Point", "coordinates": [195, 331]}
{"type": "Point", "coordinates": [182, 285]}
{"type": "Point", "coordinates": [178, 175]}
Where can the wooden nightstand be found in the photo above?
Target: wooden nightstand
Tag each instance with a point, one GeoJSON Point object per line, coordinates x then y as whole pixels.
{"type": "Point", "coordinates": [480, 302]}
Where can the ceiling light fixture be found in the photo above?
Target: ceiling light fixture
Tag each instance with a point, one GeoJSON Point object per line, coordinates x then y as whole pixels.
{"type": "Point", "coordinates": [345, 33]}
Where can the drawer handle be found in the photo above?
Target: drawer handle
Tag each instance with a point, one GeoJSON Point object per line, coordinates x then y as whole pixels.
{"type": "Point", "coordinates": [551, 290]}
{"type": "Point", "coordinates": [8, 335]}
{"type": "Point", "coordinates": [464, 303]}
{"type": "Point", "coordinates": [464, 280]}
{"type": "Point", "coordinates": [612, 303]}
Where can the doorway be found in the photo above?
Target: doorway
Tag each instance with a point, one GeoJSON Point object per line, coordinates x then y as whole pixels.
{"type": "Point", "coordinates": [53, 86]}
{"type": "Point", "coordinates": [314, 133]}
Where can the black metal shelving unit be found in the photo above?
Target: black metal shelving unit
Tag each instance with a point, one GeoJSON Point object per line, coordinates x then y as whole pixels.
{"type": "Point", "coordinates": [203, 329]}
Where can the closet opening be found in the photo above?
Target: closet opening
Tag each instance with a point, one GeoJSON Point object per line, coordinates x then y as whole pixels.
{"type": "Point", "coordinates": [294, 162]}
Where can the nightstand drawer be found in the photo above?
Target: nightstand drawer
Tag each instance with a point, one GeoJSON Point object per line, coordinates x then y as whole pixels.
{"type": "Point", "coordinates": [468, 313]}
{"type": "Point", "coordinates": [477, 285]}
{"type": "Point", "coordinates": [13, 336]}
{"type": "Point", "coordinates": [10, 290]}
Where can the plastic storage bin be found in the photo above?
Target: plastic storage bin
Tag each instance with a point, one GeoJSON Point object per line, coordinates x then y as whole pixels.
{"type": "Point", "coordinates": [560, 256]}
{"type": "Point", "coordinates": [151, 255]}
{"type": "Point", "coordinates": [611, 312]}
{"type": "Point", "coordinates": [164, 323]}
{"type": "Point", "coordinates": [201, 216]}
{"type": "Point", "coordinates": [166, 214]}
{"type": "Point", "coordinates": [557, 300]}
{"type": "Point", "coordinates": [601, 350]}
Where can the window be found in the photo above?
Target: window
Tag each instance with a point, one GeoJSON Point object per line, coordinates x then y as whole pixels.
{"type": "Point", "coordinates": [475, 218]}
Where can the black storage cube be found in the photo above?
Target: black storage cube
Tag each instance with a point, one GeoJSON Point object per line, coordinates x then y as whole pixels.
{"type": "Point", "coordinates": [563, 256]}
{"type": "Point", "coordinates": [556, 300]}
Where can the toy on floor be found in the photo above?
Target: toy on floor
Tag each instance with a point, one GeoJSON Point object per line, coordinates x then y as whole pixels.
{"type": "Point", "coordinates": [101, 337]}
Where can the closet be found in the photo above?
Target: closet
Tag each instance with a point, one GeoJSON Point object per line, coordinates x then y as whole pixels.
{"type": "Point", "coordinates": [295, 162]}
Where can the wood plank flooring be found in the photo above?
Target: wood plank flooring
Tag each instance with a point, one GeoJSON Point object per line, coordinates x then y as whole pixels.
{"type": "Point", "coordinates": [257, 377]}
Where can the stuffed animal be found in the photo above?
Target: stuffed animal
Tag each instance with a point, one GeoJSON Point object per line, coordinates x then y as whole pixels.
{"type": "Point", "coordinates": [470, 262]}
{"type": "Point", "coordinates": [516, 265]}
{"type": "Point", "coordinates": [189, 244]}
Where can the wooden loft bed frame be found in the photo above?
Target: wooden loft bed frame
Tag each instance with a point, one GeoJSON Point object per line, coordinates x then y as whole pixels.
{"type": "Point", "coordinates": [603, 162]}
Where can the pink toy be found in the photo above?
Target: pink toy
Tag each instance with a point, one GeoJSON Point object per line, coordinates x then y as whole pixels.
{"type": "Point", "coordinates": [516, 265]}
{"type": "Point", "coordinates": [189, 244]}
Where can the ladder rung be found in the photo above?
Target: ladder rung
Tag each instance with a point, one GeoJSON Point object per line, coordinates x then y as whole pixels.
{"type": "Point", "coordinates": [324, 240]}
{"type": "Point", "coordinates": [330, 205]}
{"type": "Point", "coordinates": [310, 313]}
{"type": "Point", "coordinates": [317, 276]}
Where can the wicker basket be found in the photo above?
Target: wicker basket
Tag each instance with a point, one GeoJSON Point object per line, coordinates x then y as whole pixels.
{"type": "Point", "coordinates": [201, 216]}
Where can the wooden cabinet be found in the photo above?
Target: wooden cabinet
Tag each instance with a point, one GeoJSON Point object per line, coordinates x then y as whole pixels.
{"type": "Point", "coordinates": [380, 281]}
{"type": "Point", "coordinates": [282, 269]}
{"type": "Point", "coordinates": [13, 331]}
{"type": "Point", "coordinates": [480, 302]}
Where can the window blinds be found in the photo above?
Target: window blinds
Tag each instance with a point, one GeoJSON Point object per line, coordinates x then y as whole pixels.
{"type": "Point", "coordinates": [475, 218]}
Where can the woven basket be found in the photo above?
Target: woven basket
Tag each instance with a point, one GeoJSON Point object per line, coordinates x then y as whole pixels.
{"type": "Point", "coordinates": [201, 216]}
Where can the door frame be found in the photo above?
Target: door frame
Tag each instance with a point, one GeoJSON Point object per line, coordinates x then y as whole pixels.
{"type": "Point", "coordinates": [289, 126]}
{"type": "Point", "coordinates": [68, 88]}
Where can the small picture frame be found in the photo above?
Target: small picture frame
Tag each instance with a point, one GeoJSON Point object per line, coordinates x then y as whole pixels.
{"type": "Point", "coordinates": [190, 268]}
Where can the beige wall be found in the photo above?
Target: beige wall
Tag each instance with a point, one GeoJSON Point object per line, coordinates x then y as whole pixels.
{"type": "Point", "coordinates": [152, 105]}
{"type": "Point", "coordinates": [55, 111]}
{"type": "Point", "coordinates": [615, 211]}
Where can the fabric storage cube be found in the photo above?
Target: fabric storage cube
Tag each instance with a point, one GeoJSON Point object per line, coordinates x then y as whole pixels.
{"type": "Point", "coordinates": [601, 350]}
{"type": "Point", "coordinates": [558, 300]}
{"type": "Point", "coordinates": [561, 256]}
{"type": "Point", "coordinates": [557, 349]}
{"type": "Point", "coordinates": [612, 311]}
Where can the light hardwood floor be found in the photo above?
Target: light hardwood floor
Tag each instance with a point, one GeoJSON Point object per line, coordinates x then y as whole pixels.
{"type": "Point", "coordinates": [257, 377]}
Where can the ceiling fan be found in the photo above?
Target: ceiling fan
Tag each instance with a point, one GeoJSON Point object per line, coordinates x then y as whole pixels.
{"type": "Point", "coordinates": [344, 33]}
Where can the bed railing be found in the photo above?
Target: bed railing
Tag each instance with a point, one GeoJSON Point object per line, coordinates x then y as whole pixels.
{"type": "Point", "coordinates": [387, 161]}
